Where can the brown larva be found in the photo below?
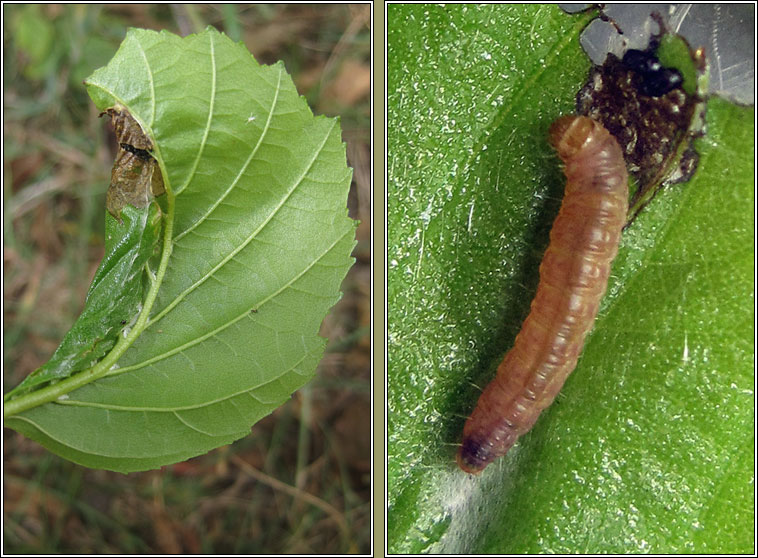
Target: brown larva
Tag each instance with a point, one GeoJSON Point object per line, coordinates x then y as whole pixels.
{"type": "Point", "coordinates": [573, 277]}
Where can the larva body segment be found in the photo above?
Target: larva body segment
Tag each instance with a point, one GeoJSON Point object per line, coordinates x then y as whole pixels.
{"type": "Point", "coordinates": [573, 278]}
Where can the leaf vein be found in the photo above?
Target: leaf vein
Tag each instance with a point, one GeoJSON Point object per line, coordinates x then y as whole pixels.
{"type": "Point", "coordinates": [152, 85]}
{"type": "Point", "coordinates": [244, 167]}
{"type": "Point", "coordinates": [248, 391]}
{"type": "Point", "coordinates": [234, 320]}
{"type": "Point", "coordinates": [211, 109]}
{"type": "Point", "coordinates": [190, 426]}
{"type": "Point", "coordinates": [249, 239]}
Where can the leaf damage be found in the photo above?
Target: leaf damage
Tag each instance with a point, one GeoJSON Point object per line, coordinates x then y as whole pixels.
{"type": "Point", "coordinates": [136, 177]}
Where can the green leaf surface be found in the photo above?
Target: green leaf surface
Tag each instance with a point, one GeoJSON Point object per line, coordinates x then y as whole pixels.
{"type": "Point", "coordinates": [114, 298]}
{"type": "Point", "coordinates": [650, 446]}
{"type": "Point", "coordinates": [256, 243]}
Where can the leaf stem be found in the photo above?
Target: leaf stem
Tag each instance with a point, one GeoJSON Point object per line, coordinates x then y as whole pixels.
{"type": "Point", "coordinates": [55, 391]}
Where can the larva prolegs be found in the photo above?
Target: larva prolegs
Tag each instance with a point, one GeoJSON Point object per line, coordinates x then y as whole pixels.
{"type": "Point", "coordinates": [573, 277]}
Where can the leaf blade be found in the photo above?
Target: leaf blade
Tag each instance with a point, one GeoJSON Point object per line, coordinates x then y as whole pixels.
{"type": "Point", "coordinates": [259, 243]}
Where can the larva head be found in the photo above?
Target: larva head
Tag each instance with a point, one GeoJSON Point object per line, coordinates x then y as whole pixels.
{"type": "Point", "coordinates": [570, 134]}
{"type": "Point", "coordinates": [473, 456]}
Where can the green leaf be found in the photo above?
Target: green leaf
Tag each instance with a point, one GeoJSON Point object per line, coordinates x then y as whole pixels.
{"type": "Point", "coordinates": [649, 447]}
{"type": "Point", "coordinates": [113, 301]}
{"type": "Point", "coordinates": [256, 243]}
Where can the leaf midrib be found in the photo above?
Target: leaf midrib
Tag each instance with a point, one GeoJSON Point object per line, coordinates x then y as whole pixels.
{"type": "Point", "coordinates": [52, 392]}
{"type": "Point", "coordinates": [244, 244]}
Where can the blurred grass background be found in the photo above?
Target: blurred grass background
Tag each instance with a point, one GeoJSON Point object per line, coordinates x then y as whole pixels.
{"type": "Point", "coordinates": [300, 483]}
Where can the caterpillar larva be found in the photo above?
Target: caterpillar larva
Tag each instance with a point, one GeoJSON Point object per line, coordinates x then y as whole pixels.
{"type": "Point", "coordinates": [573, 277]}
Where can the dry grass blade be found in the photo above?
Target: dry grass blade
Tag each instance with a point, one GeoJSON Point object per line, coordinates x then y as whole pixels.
{"type": "Point", "coordinates": [276, 484]}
